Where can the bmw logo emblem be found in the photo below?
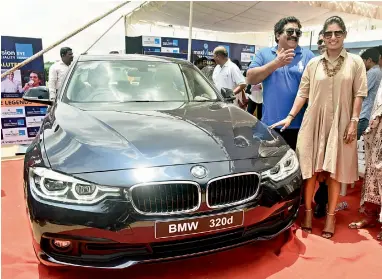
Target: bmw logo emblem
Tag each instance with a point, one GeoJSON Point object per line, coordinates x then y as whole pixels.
{"type": "Point", "coordinates": [199, 172]}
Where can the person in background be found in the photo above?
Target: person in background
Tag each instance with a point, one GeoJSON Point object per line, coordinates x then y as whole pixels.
{"type": "Point", "coordinates": [199, 63]}
{"type": "Point", "coordinates": [9, 85]}
{"type": "Point", "coordinates": [58, 71]}
{"type": "Point", "coordinates": [237, 63]}
{"type": "Point", "coordinates": [334, 84]}
{"type": "Point", "coordinates": [34, 81]}
{"type": "Point", "coordinates": [379, 48]}
{"type": "Point", "coordinates": [204, 61]}
{"type": "Point", "coordinates": [371, 195]}
{"type": "Point", "coordinates": [371, 58]}
{"type": "Point", "coordinates": [209, 69]}
{"type": "Point", "coordinates": [228, 75]}
{"type": "Point", "coordinates": [255, 97]}
{"type": "Point", "coordinates": [321, 42]}
{"type": "Point", "coordinates": [280, 69]}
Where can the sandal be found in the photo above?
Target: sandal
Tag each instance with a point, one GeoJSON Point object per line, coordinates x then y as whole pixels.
{"type": "Point", "coordinates": [330, 225]}
{"type": "Point", "coordinates": [365, 223]}
{"type": "Point", "coordinates": [306, 225]}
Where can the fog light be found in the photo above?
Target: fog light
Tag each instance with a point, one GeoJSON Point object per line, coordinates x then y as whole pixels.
{"type": "Point", "coordinates": [61, 245]}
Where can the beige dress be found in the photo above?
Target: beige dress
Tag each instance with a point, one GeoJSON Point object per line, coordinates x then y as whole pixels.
{"type": "Point", "coordinates": [320, 143]}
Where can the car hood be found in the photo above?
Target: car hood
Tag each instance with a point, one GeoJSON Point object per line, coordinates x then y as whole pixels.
{"type": "Point", "coordinates": [90, 139]}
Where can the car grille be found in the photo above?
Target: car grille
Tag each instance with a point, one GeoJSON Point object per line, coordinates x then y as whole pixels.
{"type": "Point", "coordinates": [166, 198]}
{"type": "Point", "coordinates": [232, 190]}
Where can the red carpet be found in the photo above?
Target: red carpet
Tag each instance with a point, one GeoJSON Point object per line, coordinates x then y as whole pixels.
{"type": "Point", "coordinates": [349, 254]}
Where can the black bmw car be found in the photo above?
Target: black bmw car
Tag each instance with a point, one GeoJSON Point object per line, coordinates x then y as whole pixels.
{"type": "Point", "coordinates": [142, 159]}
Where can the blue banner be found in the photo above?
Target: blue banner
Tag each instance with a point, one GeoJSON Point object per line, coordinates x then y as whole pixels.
{"type": "Point", "coordinates": [18, 122]}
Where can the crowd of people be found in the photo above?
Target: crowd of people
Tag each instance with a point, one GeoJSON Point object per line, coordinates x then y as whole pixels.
{"type": "Point", "coordinates": [321, 105]}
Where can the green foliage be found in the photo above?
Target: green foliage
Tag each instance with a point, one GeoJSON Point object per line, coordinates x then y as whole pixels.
{"type": "Point", "coordinates": [46, 70]}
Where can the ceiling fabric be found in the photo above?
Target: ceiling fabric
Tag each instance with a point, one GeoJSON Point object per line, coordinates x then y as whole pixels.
{"type": "Point", "coordinates": [250, 16]}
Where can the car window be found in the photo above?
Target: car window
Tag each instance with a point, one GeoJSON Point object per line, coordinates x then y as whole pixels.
{"type": "Point", "coordinates": [126, 81]}
{"type": "Point", "coordinates": [199, 88]}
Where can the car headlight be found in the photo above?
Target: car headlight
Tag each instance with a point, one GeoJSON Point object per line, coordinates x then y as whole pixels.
{"type": "Point", "coordinates": [50, 185]}
{"type": "Point", "coordinates": [287, 166]}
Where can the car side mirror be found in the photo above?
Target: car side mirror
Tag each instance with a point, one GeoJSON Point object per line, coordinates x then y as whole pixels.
{"type": "Point", "coordinates": [228, 94]}
{"type": "Point", "coordinates": [38, 95]}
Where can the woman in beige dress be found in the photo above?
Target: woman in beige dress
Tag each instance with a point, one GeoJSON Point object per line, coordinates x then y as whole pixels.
{"type": "Point", "coordinates": [371, 196]}
{"type": "Point", "coordinates": [334, 84]}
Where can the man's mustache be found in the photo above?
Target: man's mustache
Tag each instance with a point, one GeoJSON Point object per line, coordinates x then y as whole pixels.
{"type": "Point", "coordinates": [292, 38]}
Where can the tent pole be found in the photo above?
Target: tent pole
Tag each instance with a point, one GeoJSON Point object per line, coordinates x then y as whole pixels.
{"type": "Point", "coordinates": [41, 52]}
{"type": "Point", "coordinates": [311, 35]}
{"type": "Point", "coordinates": [190, 32]}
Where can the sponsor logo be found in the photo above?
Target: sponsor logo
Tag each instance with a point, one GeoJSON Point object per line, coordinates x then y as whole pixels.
{"type": "Point", "coordinates": [151, 41]}
{"type": "Point", "coordinates": [14, 132]}
{"type": "Point", "coordinates": [35, 121]}
{"type": "Point", "coordinates": [33, 131]}
{"type": "Point", "coordinates": [170, 42]}
{"type": "Point", "coordinates": [13, 122]}
{"type": "Point", "coordinates": [23, 51]}
{"type": "Point", "coordinates": [35, 111]}
{"type": "Point", "coordinates": [6, 112]}
{"type": "Point", "coordinates": [8, 54]}
{"type": "Point", "coordinates": [248, 49]}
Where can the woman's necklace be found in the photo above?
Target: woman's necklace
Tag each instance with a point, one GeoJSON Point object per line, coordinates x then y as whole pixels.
{"type": "Point", "coordinates": [335, 70]}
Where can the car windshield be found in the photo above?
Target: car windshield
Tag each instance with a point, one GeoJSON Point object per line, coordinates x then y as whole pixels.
{"type": "Point", "coordinates": [137, 81]}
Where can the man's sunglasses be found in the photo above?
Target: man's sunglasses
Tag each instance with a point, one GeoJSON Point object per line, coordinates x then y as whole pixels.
{"type": "Point", "coordinates": [291, 31]}
{"type": "Point", "coordinates": [337, 34]}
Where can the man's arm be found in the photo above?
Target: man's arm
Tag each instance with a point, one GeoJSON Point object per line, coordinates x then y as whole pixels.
{"type": "Point", "coordinates": [259, 71]}
{"type": "Point", "coordinates": [52, 83]}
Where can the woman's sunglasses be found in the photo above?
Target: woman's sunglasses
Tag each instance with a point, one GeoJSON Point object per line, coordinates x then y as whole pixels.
{"type": "Point", "coordinates": [337, 34]}
{"type": "Point", "coordinates": [291, 31]}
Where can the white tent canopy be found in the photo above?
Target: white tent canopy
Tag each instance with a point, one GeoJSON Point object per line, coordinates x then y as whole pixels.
{"type": "Point", "coordinates": [251, 16]}
{"type": "Point", "coordinates": [251, 22]}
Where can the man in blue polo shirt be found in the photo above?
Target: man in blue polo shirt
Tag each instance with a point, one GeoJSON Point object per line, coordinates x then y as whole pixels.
{"type": "Point", "coordinates": [280, 69]}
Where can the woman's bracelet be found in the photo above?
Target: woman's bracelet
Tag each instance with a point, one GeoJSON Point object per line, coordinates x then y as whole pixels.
{"type": "Point", "coordinates": [291, 115]}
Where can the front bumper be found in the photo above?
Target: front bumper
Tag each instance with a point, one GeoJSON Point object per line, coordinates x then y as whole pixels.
{"type": "Point", "coordinates": [173, 250]}
{"type": "Point", "coordinates": [110, 235]}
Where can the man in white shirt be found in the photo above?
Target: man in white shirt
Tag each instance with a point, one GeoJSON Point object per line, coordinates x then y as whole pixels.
{"type": "Point", "coordinates": [58, 71]}
{"type": "Point", "coordinates": [9, 85]}
{"type": "Point", "coordinates": [226, 73]}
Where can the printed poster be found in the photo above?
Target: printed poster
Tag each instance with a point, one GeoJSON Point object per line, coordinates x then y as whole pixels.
{"type": "Point", "coordinates": [20, 120]}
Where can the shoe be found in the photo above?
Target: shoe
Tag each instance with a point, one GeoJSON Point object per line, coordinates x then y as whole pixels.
{"type": "Point", "coordinates": [306, 224]}
{"type": "Point", "coordinates": [320, 211]}
{"type": "Point", "coordinates": [330, 225]}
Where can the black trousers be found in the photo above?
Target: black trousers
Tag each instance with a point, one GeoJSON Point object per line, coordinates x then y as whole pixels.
{"type": "Point", "coordinates": [252, 107]}
{"type": "Point", "coordinates": [290, 136]}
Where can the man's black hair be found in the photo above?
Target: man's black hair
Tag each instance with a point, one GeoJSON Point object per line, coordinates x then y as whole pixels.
{"type": "Point", "coordinates": [379, 48]}
{"type": "Point", "coordinates": [64, 51]}
{"type": "Point", "coordinates": [279, 26]}
{"type": "Point", "coordinates": [371, 53]}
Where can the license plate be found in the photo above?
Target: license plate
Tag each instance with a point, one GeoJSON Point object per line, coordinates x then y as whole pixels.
{"type": "Point", "coordinates": [198, 225]}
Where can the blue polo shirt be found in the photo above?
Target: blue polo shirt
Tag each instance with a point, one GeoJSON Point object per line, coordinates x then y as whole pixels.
{"type": "Point", "coordinates": [280, 88]}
